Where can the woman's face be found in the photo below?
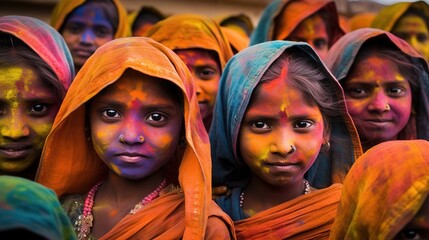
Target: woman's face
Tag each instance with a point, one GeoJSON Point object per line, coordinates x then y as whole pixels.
{"type": "Point", "coordinates": [312, 30]}
{"type": "Point", "coordinates": [135, 125]}
{"type": "Point", "coordinates": [85, 30]}
{"type": "Point", "coordinates": [378, 98]}
{"type": "Point", "coordinates": [413, 29]}
{"type": "Point", "coordinates": [28, 107]}
{"type": "Point", "coordinates": [281, 133]}
{"type": "Point", "coordinates": [206, 71]}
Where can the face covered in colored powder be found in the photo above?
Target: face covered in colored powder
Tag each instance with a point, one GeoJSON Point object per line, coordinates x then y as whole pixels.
{"type": "Point", "coordinates": [281, 133]}
{"type": "Point", "coordinates": [85, 30]}
{"type": "Point", "coordinates": [378, 99]}
{"type": "Point", "coordinates": [413, 29]}
{"type": "Point", "coordinates": [28, 107]}
{"type": "Point", "coordinates": [312, 30]}
{"type": "Point", "coordinates": [206, 71]}
{"type": "Point", "coordinates": [418, 227]}
{"type": "Point", "coordinates": [135, 125]}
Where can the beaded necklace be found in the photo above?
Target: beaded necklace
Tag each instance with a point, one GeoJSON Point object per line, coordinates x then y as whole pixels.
{"type": "Point", "coordinates": [86, 218]}
{"type": "Point", "coordinates": [307, 190]}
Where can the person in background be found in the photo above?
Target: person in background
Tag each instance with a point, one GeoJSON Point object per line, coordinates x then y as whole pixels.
{"type": "Point", "coordinates": [236, 40]}
{"type": "Point", "coordinates": [409, 21]}
{"type": "Point", "coordinates": [36, 69]}
{"type": "Point", "coordinates": [279, 113]}
{"type": "Point", "coordinates": [386, 194]}
{"type": "Point", "coordinates": [143, 19]}
{"type": "Point", "coordinates": [128, 154]}
{"type": "Point", "coordinates": [361, 20]}
{"type": "Point", "coordinates": [239, 22]}
{"type": "Point", "coordinates": [201, 44]}
{"type": "Point", "coordinates": [29, 210]}
{"type": "Point", "coordinates": [88, 24]}
{"type": "Point", "coordinates": [312, 21]}
{"type": "Point", "coordinates": [385, 82]}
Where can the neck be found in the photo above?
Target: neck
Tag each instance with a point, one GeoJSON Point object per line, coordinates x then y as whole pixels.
{"type": "Point", "coordinates": [29, 173]}
{"type": "Point", "coordinates": [125, 191]}
{"type": "Point", "coordinates": [261, 195]}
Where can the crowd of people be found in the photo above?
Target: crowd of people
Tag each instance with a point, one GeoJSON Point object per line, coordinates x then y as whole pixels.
{"type": "Point", "coordinates": [119, 124]}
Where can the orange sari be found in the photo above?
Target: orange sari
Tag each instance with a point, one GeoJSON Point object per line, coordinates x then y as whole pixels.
{"type": "Point", "coordinates": [383, 191]}
{"type": "Point", "coordinates": [70, 165]}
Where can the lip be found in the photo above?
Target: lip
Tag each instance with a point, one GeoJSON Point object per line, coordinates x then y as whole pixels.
{"type": "Point", "coordinates": [378, 122]}
{"type": "Point", "coordinates": [282, 167]}
{"type": "Point", "coordinates": [83, 53]}
{"type": "Point", "coordinates": [130, 157]}
{"type": "Point", "coordinates": [15, 150]}
{"type": "Point", "coordinates": [204, 109]}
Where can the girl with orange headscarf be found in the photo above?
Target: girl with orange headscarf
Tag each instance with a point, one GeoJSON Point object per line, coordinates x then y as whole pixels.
{"type": "Point", "coordinates": [88, 24]}
{"type": "Point", "coordinates": [205, 49]}
{"type": "Point", "coordinates": [128, 153]}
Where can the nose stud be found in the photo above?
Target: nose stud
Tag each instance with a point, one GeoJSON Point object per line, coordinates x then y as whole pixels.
{"type": "Point", "coordinates": [292, 149]}
{"type": "Point", "coordinates": [122, 139]}
{"type": "Point", "coordinates": [387, 108]}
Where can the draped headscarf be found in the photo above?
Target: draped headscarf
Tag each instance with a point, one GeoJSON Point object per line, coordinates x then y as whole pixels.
{"type": "Point", "coordinates": [342, 55]}
{"type": "Point", "coordinates": [291, 16]}
{"type": "Point", "coordinates": [241, 76]}
{"type": "Point", "coordinates": [45, 41]}
{"type": "Point", "coordinates": [388, 16]}
{"type": "Point", "coordinates": [383, 191]}
{"type": "Point", "coordinates": [65, 7]}
{"type": "Point", "coordinates": [27, 205]}
{"type": "Point", "coordinates": [69, 162]}
{"type": "Point", "coordinates": [185, 31]}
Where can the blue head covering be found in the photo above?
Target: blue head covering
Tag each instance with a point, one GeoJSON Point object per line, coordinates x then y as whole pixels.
{"type": "Point", "coordinates": [241, 76]}
{"type": "Point", "coordinates": [301, 10]}
{"type": "Point", "coordinates": [27, 205]}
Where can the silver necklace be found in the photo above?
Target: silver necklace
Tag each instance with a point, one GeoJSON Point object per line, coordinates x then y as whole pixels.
{"type": "Point", "coordinates": [307, 190]}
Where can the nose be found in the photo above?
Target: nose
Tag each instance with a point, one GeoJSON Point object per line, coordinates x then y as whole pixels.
{"type": "Point", "coordinates": [283, 143]}
{"type": "Point", "coordinates": [198, 89]}
{"type": "Point", "coordinates": [15, 127]}
{"type": "Point", "coordinates": [87, 37]}
{"type": "Point", "coordinates": [379, 103]}
{"type": "Point", "coordinates": [132, 132]}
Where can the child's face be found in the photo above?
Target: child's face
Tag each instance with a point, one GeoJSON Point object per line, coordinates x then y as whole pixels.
{"type": "Point", "coordinates": [378, 98]}
{"type": "Point", "coordinates": [313, 31]}
{"type": "Point", "coordinates": [135, 125]}
{"type": "Point", "coordinates": [277, 118]}
{"type": "Point", "coordinates": [28, 107]}
{"type": "Point", "coordinates": [413, 29]}
{"type": "Point", "coordinates": [86, 29]}
{"type": "Point", "coordinates": [206, 72]}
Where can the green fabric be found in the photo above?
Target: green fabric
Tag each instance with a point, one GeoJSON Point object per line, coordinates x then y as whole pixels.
{"type": "Point", "coordinates": [25, 204]}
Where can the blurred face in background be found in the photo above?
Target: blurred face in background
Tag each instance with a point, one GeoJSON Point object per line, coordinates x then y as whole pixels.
{"type": "Point", "coordinates": [413, 29]}
{"type": "Point", "coordinates": [85, 30]}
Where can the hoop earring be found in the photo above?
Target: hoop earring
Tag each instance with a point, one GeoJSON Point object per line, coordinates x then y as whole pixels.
{"type": "Point", "coordinates": [326, 145]}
